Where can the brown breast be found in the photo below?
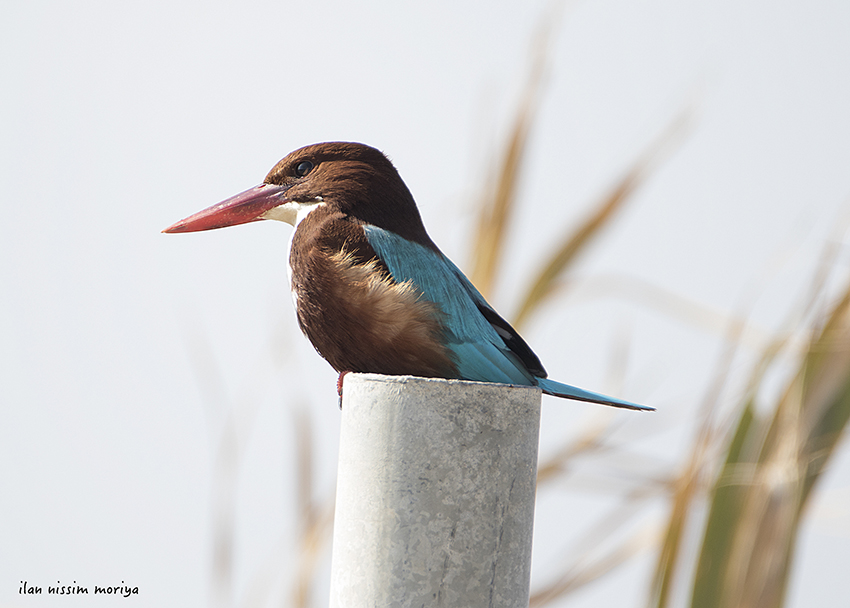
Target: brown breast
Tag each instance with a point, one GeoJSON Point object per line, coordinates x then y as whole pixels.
{"type": "Point", "coordinates": [351, 309]}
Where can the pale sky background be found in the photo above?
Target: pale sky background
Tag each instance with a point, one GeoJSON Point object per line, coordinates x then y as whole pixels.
{"type": "Point", "coordinates": [123, 350]}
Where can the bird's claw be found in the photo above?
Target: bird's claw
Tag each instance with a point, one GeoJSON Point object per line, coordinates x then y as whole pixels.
{"type": "Point", "coordinates": [339, 387]}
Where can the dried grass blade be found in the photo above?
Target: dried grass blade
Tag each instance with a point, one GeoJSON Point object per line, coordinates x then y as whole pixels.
{"type": "Point", "coordinates": [772, 466]}
{"type": "Point", "coordinates": [579, 575]}
{"type": "Point", "coordinates": [685, 490]}
{"type": "Point", "coordinates": [726, 504]}
{"type": "Point", "coordinates": [314, 542]}
{"type": "Point", "coordinates": [497, 205]}
{"type": "Point", "coordinates": [314, 520]}
{"type": "Point", "coordinates": [576, 240]}
{"type": "Point", "coordinates": [591, 441]}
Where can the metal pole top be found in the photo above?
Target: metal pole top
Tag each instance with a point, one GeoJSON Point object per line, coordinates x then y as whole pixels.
{"type": "Point", "coordinates": [435, 493]}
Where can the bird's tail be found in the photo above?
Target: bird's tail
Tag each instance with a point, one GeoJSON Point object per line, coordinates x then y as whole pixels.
{"type": "Point", "coordinates": [557, 389]}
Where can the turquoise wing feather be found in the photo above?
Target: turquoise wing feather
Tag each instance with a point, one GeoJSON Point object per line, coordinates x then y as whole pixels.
{"type": "Point", "coordinates": [479, 351]}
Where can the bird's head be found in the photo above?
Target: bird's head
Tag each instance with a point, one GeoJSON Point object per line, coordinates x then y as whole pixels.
{"type": "Point", "coordinates": [350, 178]}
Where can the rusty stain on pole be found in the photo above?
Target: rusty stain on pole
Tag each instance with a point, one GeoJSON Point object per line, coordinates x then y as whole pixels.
{"type": "Point", "coordinates": [435, 493]}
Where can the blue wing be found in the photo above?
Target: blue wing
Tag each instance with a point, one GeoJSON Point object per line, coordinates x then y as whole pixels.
{"type": "Point", "coordinates": [480, 348]}
{"type": "Point", "coordinates": [478, 351]}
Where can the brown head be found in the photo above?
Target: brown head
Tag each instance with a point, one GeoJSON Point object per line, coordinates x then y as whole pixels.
{"type": "Point", "coordinates": [352, 178]}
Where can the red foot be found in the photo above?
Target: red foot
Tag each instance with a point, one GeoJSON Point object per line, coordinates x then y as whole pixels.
{"type": "Point", "coordinates": [339, 387]}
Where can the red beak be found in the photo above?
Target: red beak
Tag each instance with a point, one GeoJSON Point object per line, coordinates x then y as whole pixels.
{"type": "Point", "coordinates": [245, 207]}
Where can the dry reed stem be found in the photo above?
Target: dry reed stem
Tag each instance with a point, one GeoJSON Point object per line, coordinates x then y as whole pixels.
{"type": "Point", "coordinates": [313, 545]}
{"type": "Point", "coordinates": [772, 463]}
{"type": "Point", "coordinates": [691, 482]}
{"type": "Point", "coordinates": [576, 240]}
{"type": "Point", "coordinates": [583, 571]}
{"type": "Point", "coordinates": [224, 515]}
{"type": "Point", "coordinates": [219, 410]}
{"type": "Point", "coordinates": [665, 302]}
{"type": "Point", "coordinates": [575, 579]}
{"type": "Point", "coordinates": [590, 441]}
{"type": "Point", "coordinates": [496, 208]}
{"type": "Point", "coordinates": [315, 521]}
{"type": "Point", "coordinates": [803, 433]}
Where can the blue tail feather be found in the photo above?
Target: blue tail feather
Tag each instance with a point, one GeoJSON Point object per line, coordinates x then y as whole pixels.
{"type": "Point", "coordinates": [483, 346]}
{"type": "Point", "coordinates": [558, 389]}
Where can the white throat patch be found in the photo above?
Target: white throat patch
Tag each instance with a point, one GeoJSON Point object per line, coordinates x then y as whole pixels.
{"type": "Point", "coordinates": [291, 212]}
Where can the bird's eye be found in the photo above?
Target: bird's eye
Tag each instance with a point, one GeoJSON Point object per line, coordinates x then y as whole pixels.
{"type": "Point", "coordinates": [303, 168]}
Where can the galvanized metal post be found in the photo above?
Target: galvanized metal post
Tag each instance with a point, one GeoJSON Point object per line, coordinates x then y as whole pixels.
{"type": "Point", "coordinates": [435, 493]}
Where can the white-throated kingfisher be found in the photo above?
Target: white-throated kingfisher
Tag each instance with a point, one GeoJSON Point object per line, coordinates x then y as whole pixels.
{"type": "Point", "coordinates": [372, 291]}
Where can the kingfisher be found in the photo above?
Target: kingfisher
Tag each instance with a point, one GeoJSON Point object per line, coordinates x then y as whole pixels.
{"type": "Point", "coordinates": [372, 291]}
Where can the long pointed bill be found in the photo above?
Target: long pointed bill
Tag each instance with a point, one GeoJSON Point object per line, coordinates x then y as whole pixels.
{"type": "Point", "coordinates": [245, 207]}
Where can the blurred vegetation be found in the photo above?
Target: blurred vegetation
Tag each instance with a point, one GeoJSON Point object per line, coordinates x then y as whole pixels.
{"type": "Point", "coordinates": [753, 467]}
{"type": "Point", "coordinates": [756, 469]}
